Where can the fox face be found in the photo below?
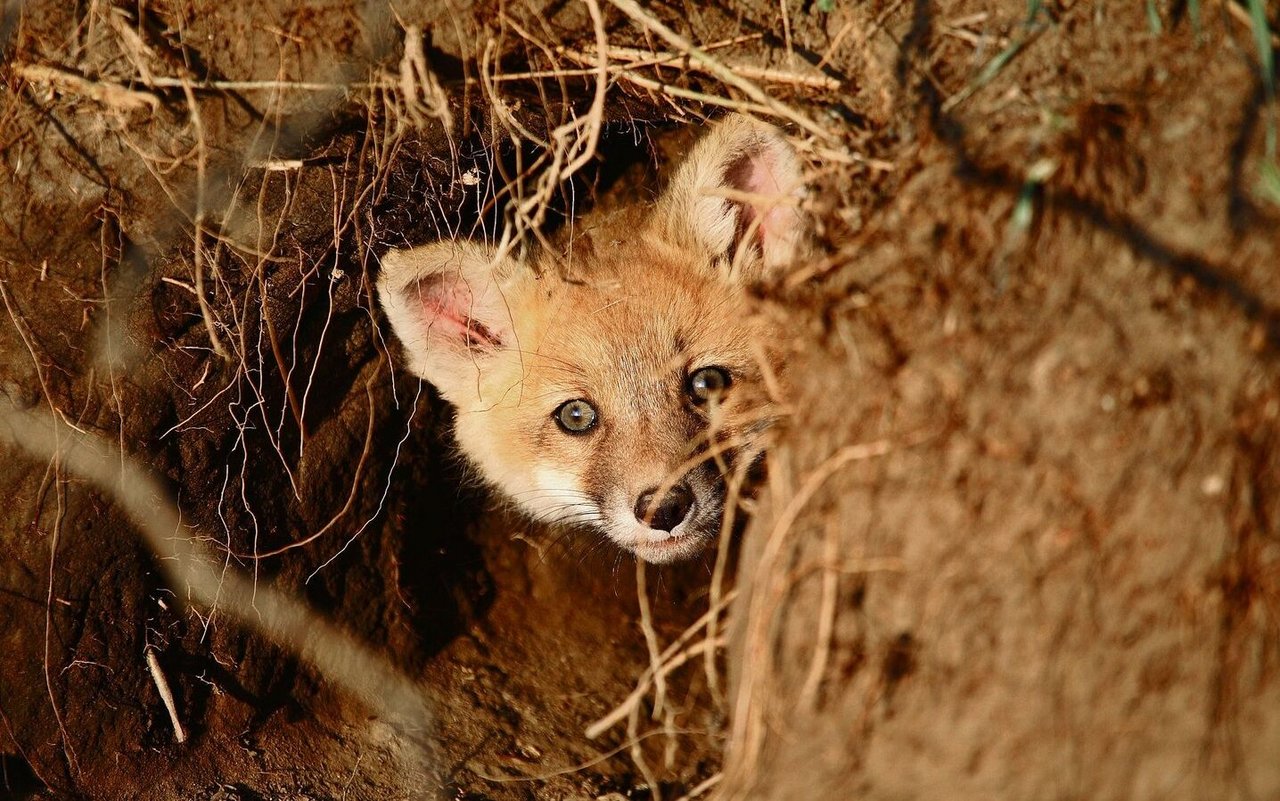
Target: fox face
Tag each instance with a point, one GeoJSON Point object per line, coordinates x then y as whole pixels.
{"type": "Point", "coordinates": [619, 386]}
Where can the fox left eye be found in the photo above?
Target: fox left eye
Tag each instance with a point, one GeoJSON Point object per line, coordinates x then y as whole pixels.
{"type": "Point", "coordinates": [576, 416]}
{"type": "Point", "coordinates": [707, 383]}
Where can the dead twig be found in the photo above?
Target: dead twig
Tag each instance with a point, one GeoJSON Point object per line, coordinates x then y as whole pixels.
{"type": "Point", "coordinates": [423, 95]}
{"type": "Point", "coordinates": [702, 787]}
{"type": "Point", "coordinates": [573, 144]}
{"type": "Point", "coordinates": [650, 638]}
{"type": "Point", "coordinates": [104, 92]}
{"type": "Point", "coordinates": [166, 695]}
{"type": "Point", "coordinates": [749, 729]}
{"type": "Point", "coordinates": [689, 94]}
{"type": "Point", "coordinates": [673, 657]}
{"type": "Point", "coordinates": [633, 10]}
{"type": "Point", "coordinates": [826, 620]}
{"type": "Point", "coordinates": [636, 58]}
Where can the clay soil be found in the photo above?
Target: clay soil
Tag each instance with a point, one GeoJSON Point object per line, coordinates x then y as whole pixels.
{"type": "Point", "coordinates": [1018, 537]}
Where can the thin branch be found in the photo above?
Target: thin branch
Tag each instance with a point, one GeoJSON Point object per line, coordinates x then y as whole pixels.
{"type": "Point", "coordinates": [633, 10]}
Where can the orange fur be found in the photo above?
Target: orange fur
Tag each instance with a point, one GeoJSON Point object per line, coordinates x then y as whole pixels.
{"type": "Point", "coordinates": [622, 324]}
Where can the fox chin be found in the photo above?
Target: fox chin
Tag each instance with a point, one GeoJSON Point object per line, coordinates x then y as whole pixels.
{"type": "Point", "coordinates": [619, 385]}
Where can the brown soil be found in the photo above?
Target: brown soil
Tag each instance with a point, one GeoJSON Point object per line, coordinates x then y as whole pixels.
{"type": "Point", "coordinates": [1050, 322]}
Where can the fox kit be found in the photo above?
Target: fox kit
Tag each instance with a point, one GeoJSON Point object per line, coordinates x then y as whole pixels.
{"type": "Point", "coordinates": [618, 385]}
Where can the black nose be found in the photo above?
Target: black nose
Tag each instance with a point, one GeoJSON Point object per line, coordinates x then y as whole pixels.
{"type": "Point", "coordinates": [668, 514]}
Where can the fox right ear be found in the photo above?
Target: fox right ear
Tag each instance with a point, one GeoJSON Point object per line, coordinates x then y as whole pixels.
{"type": "Point", "coordinates": [446, 306]}
{"type": "Point", "coordinates": [737, 198]}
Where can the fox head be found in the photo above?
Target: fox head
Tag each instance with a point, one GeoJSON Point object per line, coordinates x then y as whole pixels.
{"type": "Point", "coordinates": [616, 386]}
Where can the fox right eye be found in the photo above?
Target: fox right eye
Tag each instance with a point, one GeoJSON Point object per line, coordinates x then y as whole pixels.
{"type": "Point", "coordinates": [707, 383]}
{"type": "Point", "coordinates": [575, 416]}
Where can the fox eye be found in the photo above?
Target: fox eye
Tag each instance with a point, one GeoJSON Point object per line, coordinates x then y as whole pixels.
{"type": "Point", "coordinates": [707, 383]}
{"type": "Point", "coordinates": [575, 416]}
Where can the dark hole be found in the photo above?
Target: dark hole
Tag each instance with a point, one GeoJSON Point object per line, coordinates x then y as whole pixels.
{"type": "Point", "coordinates": [17, 780]}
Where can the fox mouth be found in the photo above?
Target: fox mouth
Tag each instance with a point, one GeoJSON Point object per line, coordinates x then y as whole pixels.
{"type": "Point", "coordinates": [700, 527]}
{"type": "Point", "coordinates": [634, 530]}
{"type": "Point", "coordinates": [662, 547]}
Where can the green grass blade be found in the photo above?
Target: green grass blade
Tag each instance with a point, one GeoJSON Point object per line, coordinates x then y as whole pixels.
{"type": "Point", "coordinates": [1153, 18]}
{"type": "Point", "coordinates": [1262, 39]}
{"type": "Point", "coordinates": [1269, 182]}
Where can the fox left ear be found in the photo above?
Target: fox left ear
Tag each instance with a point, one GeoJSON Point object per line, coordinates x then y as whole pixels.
{"type": "Point", "coordinates": [446, 304]}
{"type": "Point", "coordinates": [737, 197]}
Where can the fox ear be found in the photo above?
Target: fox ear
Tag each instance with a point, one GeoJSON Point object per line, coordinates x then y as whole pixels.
{"type": "Point", "coordinates": [446, 306]}
{"type": "Point", "coordinates": [737, 197]}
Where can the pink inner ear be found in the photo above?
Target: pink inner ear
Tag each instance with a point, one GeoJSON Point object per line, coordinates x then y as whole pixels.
{"type": "Point", "coordinates": [448, 310]}
{"type": "Point", "coordinates": [754, 172]}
